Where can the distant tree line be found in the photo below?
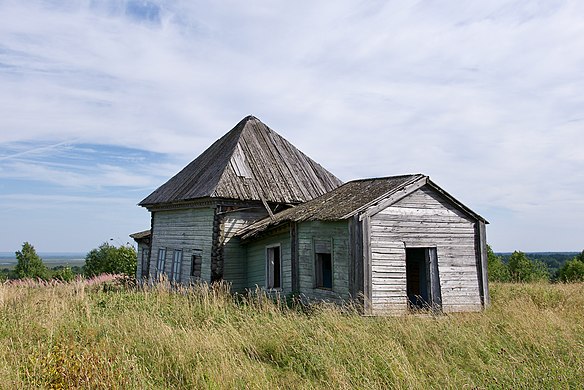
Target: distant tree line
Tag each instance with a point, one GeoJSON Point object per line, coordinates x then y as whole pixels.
{"type": "Point", "coordinates": [105, 259]}
{"type": "Point", "coordinates": [519, 268]}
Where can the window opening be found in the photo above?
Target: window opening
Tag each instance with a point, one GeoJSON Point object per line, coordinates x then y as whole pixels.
{"type": "Point", "coordinates": [273, 267]}
{"type": "Point", "coordinates": [323, 266]}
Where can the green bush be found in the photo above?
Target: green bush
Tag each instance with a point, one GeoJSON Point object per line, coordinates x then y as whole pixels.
{"type": "Point", "coordinates": [497, 270]}
{"type": "Point", "coordinates": [572, 270]}
{"type": "Point", "coordinates": [524, 270]}
{"type": "Point", "coordinates": [29, 264]}
{"type": "Point", "coordinates": [111, 260]}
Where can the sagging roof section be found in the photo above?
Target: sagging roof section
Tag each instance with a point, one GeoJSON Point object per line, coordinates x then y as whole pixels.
{"type": "Point", "coordinates": [250, 162]}
{"type": "Point", "coordinates": [350, 199]}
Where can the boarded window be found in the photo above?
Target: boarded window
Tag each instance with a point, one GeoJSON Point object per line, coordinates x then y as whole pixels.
{"type": "Point", "coordinates": [273, 267]}
{"type": "Point", "coordinates": [176, 265]}
{"type": "Point", "coordinates": [144, 261]}
{"type": "Point", "coordinates": [323, 264]}
{"type": "Point", "coordinates": [196, 262]}
{"type": "Point", "coordinates": [161, 262]}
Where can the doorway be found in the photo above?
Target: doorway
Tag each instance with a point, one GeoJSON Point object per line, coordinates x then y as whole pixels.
{"type": "Point", "coordinates": [422, 279]}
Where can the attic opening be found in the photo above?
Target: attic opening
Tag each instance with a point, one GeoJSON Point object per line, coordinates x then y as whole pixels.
{"type": "Point", "coordinates": [422, 279]}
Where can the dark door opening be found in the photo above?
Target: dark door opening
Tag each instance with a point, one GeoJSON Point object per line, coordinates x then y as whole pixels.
{"type": "Point", "coordinates": [423, 283]}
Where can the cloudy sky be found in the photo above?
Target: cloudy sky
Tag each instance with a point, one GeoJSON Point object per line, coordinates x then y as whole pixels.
{"type": "Point", "coordinates": [103, 101]}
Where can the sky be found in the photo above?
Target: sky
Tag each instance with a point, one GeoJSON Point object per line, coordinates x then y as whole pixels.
{"type": "Point", "coordinates": [103, 101]}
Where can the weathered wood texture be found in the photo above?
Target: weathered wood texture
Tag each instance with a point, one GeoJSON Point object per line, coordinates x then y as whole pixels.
{"type": "Point", "coordinates": [185, 229]}
{"type": "Point", "coordinates": [256, 261]}
{"type": "Point", "coordinates": [337, 233]}
{"type": "Point", "coordinates": [234, 254]}
{"type": "Point", "coordinates": [251, 162]}
{"type": "Point", "coordinates": [143, 242]}
{"type": "Point", "coordinates": [425, 219]}
{"type": "Point", "coordinates": [339, 204]}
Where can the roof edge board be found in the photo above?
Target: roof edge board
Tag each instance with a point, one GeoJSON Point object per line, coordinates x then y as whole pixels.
{"type": "Point", "coordinates": [390, 197]}
{"type": "Point", "coordinates": [458, 204]}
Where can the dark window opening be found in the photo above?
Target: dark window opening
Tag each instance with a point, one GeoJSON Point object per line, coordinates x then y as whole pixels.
{"type": "Point", "coordinates": [274, 279]}
{"type": "Point", "coordinates": [324, 270]}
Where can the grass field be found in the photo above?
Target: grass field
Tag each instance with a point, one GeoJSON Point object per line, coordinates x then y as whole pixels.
{"type": "Point", "coordinates": [91, 336]}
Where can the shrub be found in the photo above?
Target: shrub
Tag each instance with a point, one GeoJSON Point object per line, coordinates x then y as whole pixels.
{"type": "Point", "coordinates": [111, 260]}
{"type": "Point", "coordinates": [29, 264]}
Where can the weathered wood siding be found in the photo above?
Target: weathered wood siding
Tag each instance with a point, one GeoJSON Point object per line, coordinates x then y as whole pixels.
{"type": "Point", "coordinates": [234, 254]}
{"type": "Point", "coordinates": [424, 219]}
{"type": "Point", "coordinates": [185, 229]}
{"type": "Point", "coordinates": [256, 261]}
{"type": "Point", "coordinates": [338, 234]}
{"type": "Point", "coordinates": [140, 255]}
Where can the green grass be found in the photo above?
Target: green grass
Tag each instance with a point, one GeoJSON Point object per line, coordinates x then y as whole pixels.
{"type": "Point", "coordinates": [88, 336]}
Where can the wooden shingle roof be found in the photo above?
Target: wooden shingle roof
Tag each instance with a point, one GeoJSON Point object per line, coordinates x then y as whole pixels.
{"type": "Point", "coordinates": [348, 200]}
{"type": "Point", "coordinates": [250, 162]}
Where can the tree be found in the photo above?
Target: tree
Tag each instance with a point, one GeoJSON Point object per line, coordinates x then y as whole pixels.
{"type": "Point", "coordinates": [29, 264]}
{"type": "Point", "coordinates": [522, 269]}
{"type": "Point", "coordinates": [112, 260]}
{"type": "Point", "coordinates": [496, 269]}
{"type": "Point", "coordinates": [572, 270]}
{"type": "Point", "coordinates": [63, 273]}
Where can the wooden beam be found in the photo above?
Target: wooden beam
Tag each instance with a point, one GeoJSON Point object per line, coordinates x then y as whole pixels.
{"type": "Point", "coordinates": [482, 263]}
{"type": "Point", "coordinates": [367, 282]}
{"type": "Point", "coordinates": [294, 257]}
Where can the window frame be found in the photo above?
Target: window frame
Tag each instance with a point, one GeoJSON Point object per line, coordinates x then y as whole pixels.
{"type": "Point", "coordinates": [175, 272]}
{"type": "Point", "coordinates": [144, 262]}
{"type": "Point", "coordinates": [269, 269]}
{"type": "Point", "coordinates": [160, 262]}
{"type": "Point", "coordinates": [318, 245]}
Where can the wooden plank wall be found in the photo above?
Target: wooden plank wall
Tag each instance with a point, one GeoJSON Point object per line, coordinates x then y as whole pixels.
{"type": "Point", "coordinates": [338, 233]}
{"type": "Point", "coordinates": [140, 253]}
{"type": "Point", "coordinates": [186, 229]}
{"type": "Point", "coordinates": [388, 276]}
{"type": "Point", "coordinates": [424, 219]}
{"type": "Point", "coordinates": [234, 255]}
{"type": "Point", "coordinates": [256, 261]}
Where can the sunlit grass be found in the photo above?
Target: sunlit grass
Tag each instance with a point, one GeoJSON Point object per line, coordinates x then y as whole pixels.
{"type": "Point", "coordinates": [102, 335]}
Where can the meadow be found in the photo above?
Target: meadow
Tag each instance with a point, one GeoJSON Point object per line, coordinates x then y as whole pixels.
{"type": "Point", "coordinates": [99, 334]}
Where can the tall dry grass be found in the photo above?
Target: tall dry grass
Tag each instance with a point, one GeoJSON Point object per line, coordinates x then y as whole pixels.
{"type": "Point", "coordinates": [106, 336]}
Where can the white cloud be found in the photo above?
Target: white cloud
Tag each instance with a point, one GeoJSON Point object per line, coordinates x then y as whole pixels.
{"type": "Point", "coordinates": [484, 96]}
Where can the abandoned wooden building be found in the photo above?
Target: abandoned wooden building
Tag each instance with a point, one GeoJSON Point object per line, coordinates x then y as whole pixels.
{"type": "Point", "coordinates": [255, 211]}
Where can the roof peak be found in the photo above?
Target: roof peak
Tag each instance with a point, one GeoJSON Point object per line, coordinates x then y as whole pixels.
{"type": "Point", "coordinates": [250, 162]}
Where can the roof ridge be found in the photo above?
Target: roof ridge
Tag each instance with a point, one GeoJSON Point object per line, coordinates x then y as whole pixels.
{"type": "Point", "coordinates": [385, 177]}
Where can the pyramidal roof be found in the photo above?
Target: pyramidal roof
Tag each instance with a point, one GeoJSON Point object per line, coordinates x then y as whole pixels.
{"type": "Point", "coordinates": [250, 162]}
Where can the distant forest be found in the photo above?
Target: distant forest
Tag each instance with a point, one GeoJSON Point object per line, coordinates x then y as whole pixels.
{"type": "Point", "coordinates": [553, 260]}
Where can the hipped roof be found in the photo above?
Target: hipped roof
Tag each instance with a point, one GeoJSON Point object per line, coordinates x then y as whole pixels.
{"type": "Point", "coordinates": [350, 199]}
{"type": "Point", "coordinates": [250, 162]}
